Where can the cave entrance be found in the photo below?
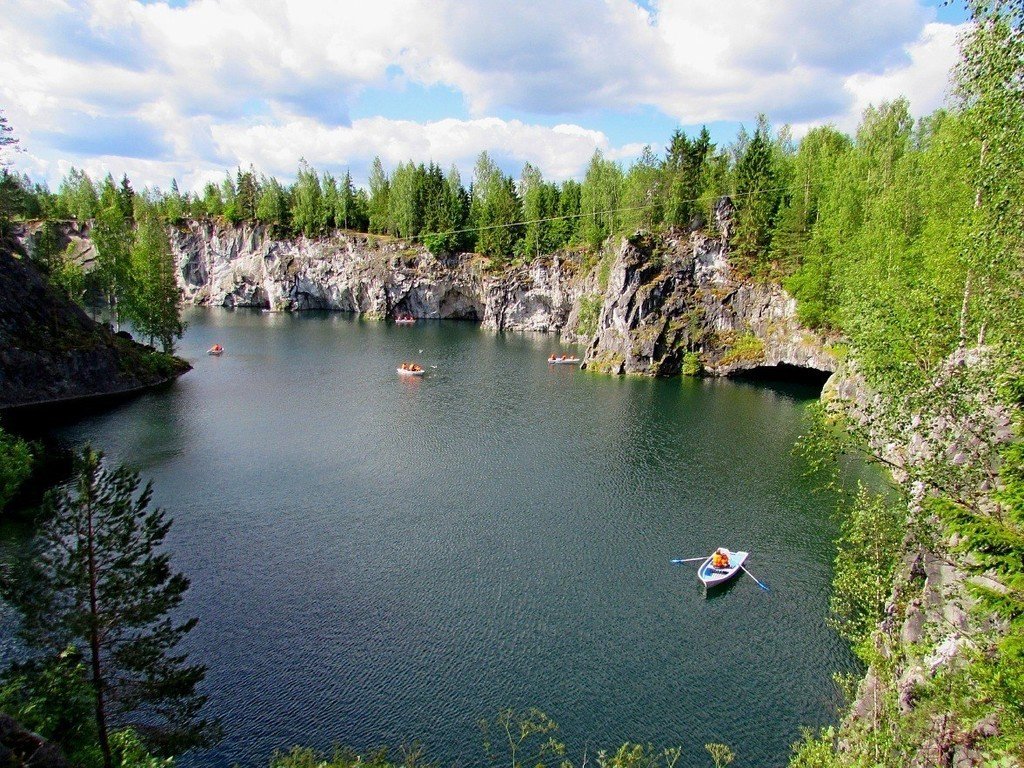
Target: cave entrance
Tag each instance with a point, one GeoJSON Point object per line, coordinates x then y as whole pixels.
{"type": "Point", "coordinates": [785, 375]}
{"type": "Point", "coordinates": [456, 305]}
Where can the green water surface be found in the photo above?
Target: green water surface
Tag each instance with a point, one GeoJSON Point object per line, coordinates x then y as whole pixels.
{"type": "Point", "coordinates": [376, 559]}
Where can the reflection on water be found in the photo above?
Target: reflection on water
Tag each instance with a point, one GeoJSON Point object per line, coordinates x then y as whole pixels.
{"type": "Point", "coordinates": [377, 559]}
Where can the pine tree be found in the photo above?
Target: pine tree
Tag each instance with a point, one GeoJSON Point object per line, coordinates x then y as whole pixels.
{"type": "Point", "coordinates": [757, 199]}
{"type": "Point", "coordinates": [101, 583]}
{"type": "Point", "coordinates": [126, 198]}
{"type": "Point", "coordinates": [246, 194]}
{"type": "Point", "coordinates": [380, 190]}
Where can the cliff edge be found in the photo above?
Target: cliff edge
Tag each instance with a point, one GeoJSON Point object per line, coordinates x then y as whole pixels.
{"type": "Point", "coordinates": [52, 352]}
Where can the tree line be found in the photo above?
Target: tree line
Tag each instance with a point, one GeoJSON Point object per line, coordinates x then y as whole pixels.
{"type": "Point", "coordinates": [496, 214]}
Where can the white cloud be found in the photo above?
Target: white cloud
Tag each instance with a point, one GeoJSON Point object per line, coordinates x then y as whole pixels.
{"type": "Point", "coordinates": [925, 81]}
{"type": "Point", "coordinates": [560, 152]}
{"type": "Point", "coordinates": [218, 83]}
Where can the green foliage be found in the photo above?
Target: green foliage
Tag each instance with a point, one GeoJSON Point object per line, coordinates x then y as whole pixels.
{"type": "Point", "coordinates": [744, 348]}
{"type": "Point", "coordinates": [51, 696]}
{"type": "Point", "coordinates": [643, 194]}
{"type": "Point", "coordinates": [685, 176]}
{"type": "Point", "coordinates": [304, 757]}
{"type": "Point", "coordinates": [692, 365]}
{"type": "Point", "coordinates": [272, 206]}
{"type": "Point", "coordinates": [600, 198]}
{"type": "Point", "coordinates": [588, 315]}
{"type": "Point", "coordinates": [112, 237]}
{"type": "Point", "coordinates": [631, 755]}
{"type": "Point", "coordinates": [870, 547]}
{"type": "Point", "coordinates": [721, 755]}
{"type": "Point", "coordinates": [757, 200]}
{"type": "Point", "coordinates": [153, 302]}
{"type": "Point", "coordinates": [604, 268]}
{"type": "Point", "coordinates": [101, 581]}
{"type": "Point", "coordinates": [16, 460]}
{"type": "Point", "coordinates": [815, 751]}
{"type": "Point", "coordinates": [494, 210]}
{"type": "Point", "coordinates": [129, 751]}
{"type": "Point", "coordinates": [77, 197]}
{"type": "Point", "coordinates": [68, 277]}
{"type": "Point", "coordinates": [526, 739]}
{"type": "Point", "coordinates": [308, 212]}
{"type": "Point", "coordinates": [380, 190]}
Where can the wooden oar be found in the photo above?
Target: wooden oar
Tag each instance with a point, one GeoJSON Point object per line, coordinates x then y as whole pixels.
{"type": "Point", "coordinates": [762, 586]}
{"type": "Point", "coordinates": [688, 559]}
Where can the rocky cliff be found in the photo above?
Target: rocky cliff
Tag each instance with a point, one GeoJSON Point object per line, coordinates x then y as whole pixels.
{"type": "Point", "coordinates": [51, 351]}
{"type": "Point", "coordinates": [650, 305]}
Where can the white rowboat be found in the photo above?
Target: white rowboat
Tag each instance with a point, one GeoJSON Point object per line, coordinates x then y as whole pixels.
{"type": "Point", "coordinates": [712, 577]}
{"type": "Point", "coordinates": [563, 360]}
{"type": "Point", "coordinates": [406, 372]}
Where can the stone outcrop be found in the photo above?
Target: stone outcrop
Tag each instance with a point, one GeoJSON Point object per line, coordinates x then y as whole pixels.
{"type": "Point", "coordinates": [247, 266]}
{"type": "Point", "coordinates": [677, 296]}
{"type": "Point", "coordinates": [665, 296]}
{"type": "Point", "coordinates": [52, 352]}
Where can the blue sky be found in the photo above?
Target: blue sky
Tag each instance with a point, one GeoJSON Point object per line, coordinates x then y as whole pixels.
{"type": "Point", "coordinates": [189, 89]}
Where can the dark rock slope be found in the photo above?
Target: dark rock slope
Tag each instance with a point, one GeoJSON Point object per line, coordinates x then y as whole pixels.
{"type": "Point", "coordinates": [51, 351]}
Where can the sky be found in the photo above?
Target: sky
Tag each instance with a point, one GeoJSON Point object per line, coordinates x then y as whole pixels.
{"type": "Point", "coordinates": [192, 89]}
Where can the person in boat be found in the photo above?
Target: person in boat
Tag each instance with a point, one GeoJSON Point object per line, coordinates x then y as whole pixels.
{"type": "Point", "coordinates": [720, 559]}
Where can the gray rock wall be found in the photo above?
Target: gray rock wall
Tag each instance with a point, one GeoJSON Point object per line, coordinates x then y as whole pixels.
{"type": "Point", "coordinates": [665, 296]}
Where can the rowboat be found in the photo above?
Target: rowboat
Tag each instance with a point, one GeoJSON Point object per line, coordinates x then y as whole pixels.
{"type": "Point", "coordinates": [407, 372]}
{"type": "Point", "coordinates": [216, 349]}
{"type": "Point", "coordinates": [405, 320]}
{"type": "Point", "coordinates": [563, 360]}
{"type": "Point", "coordinates": [712, 577]}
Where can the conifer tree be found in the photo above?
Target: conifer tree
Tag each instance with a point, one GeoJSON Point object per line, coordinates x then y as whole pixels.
{"type": "Point", "coordinates": [757, 198]}
{"type": "Point", "coordinates": [380, 190]}
{"type": "Point", "coordinates": [102, 584]}
{"type": "Point", "coordinates": [246, 194]}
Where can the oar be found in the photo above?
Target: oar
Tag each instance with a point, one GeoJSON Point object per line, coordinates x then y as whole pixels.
{"type": "Point", "coordinates": [688, 559]}
{"type": "Point", "coordinates": [762, 586]}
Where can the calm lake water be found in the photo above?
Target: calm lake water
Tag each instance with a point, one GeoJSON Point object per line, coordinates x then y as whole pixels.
{"type": "Point", "coordinates": [376, 560]}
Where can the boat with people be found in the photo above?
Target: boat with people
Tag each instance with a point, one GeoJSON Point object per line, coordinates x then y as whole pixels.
{"type": "Point", "coordinates": [405, 319]}
{"type": "Point", "coordinates": [562, 360]}
{"type": "Point", "coordinates": [411, 369]}
{"type": "Point", "coordinates": [720, 566]}
{"type": "Point", "coordinates": [216, 349]}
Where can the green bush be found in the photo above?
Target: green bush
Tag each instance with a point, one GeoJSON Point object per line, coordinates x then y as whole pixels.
{"type": "Point", "coordinates": [16, 461]}
{"type": "Point", "coordinates": [590, 311]}
{"type": "Point", "coordinates": [692, 365]}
